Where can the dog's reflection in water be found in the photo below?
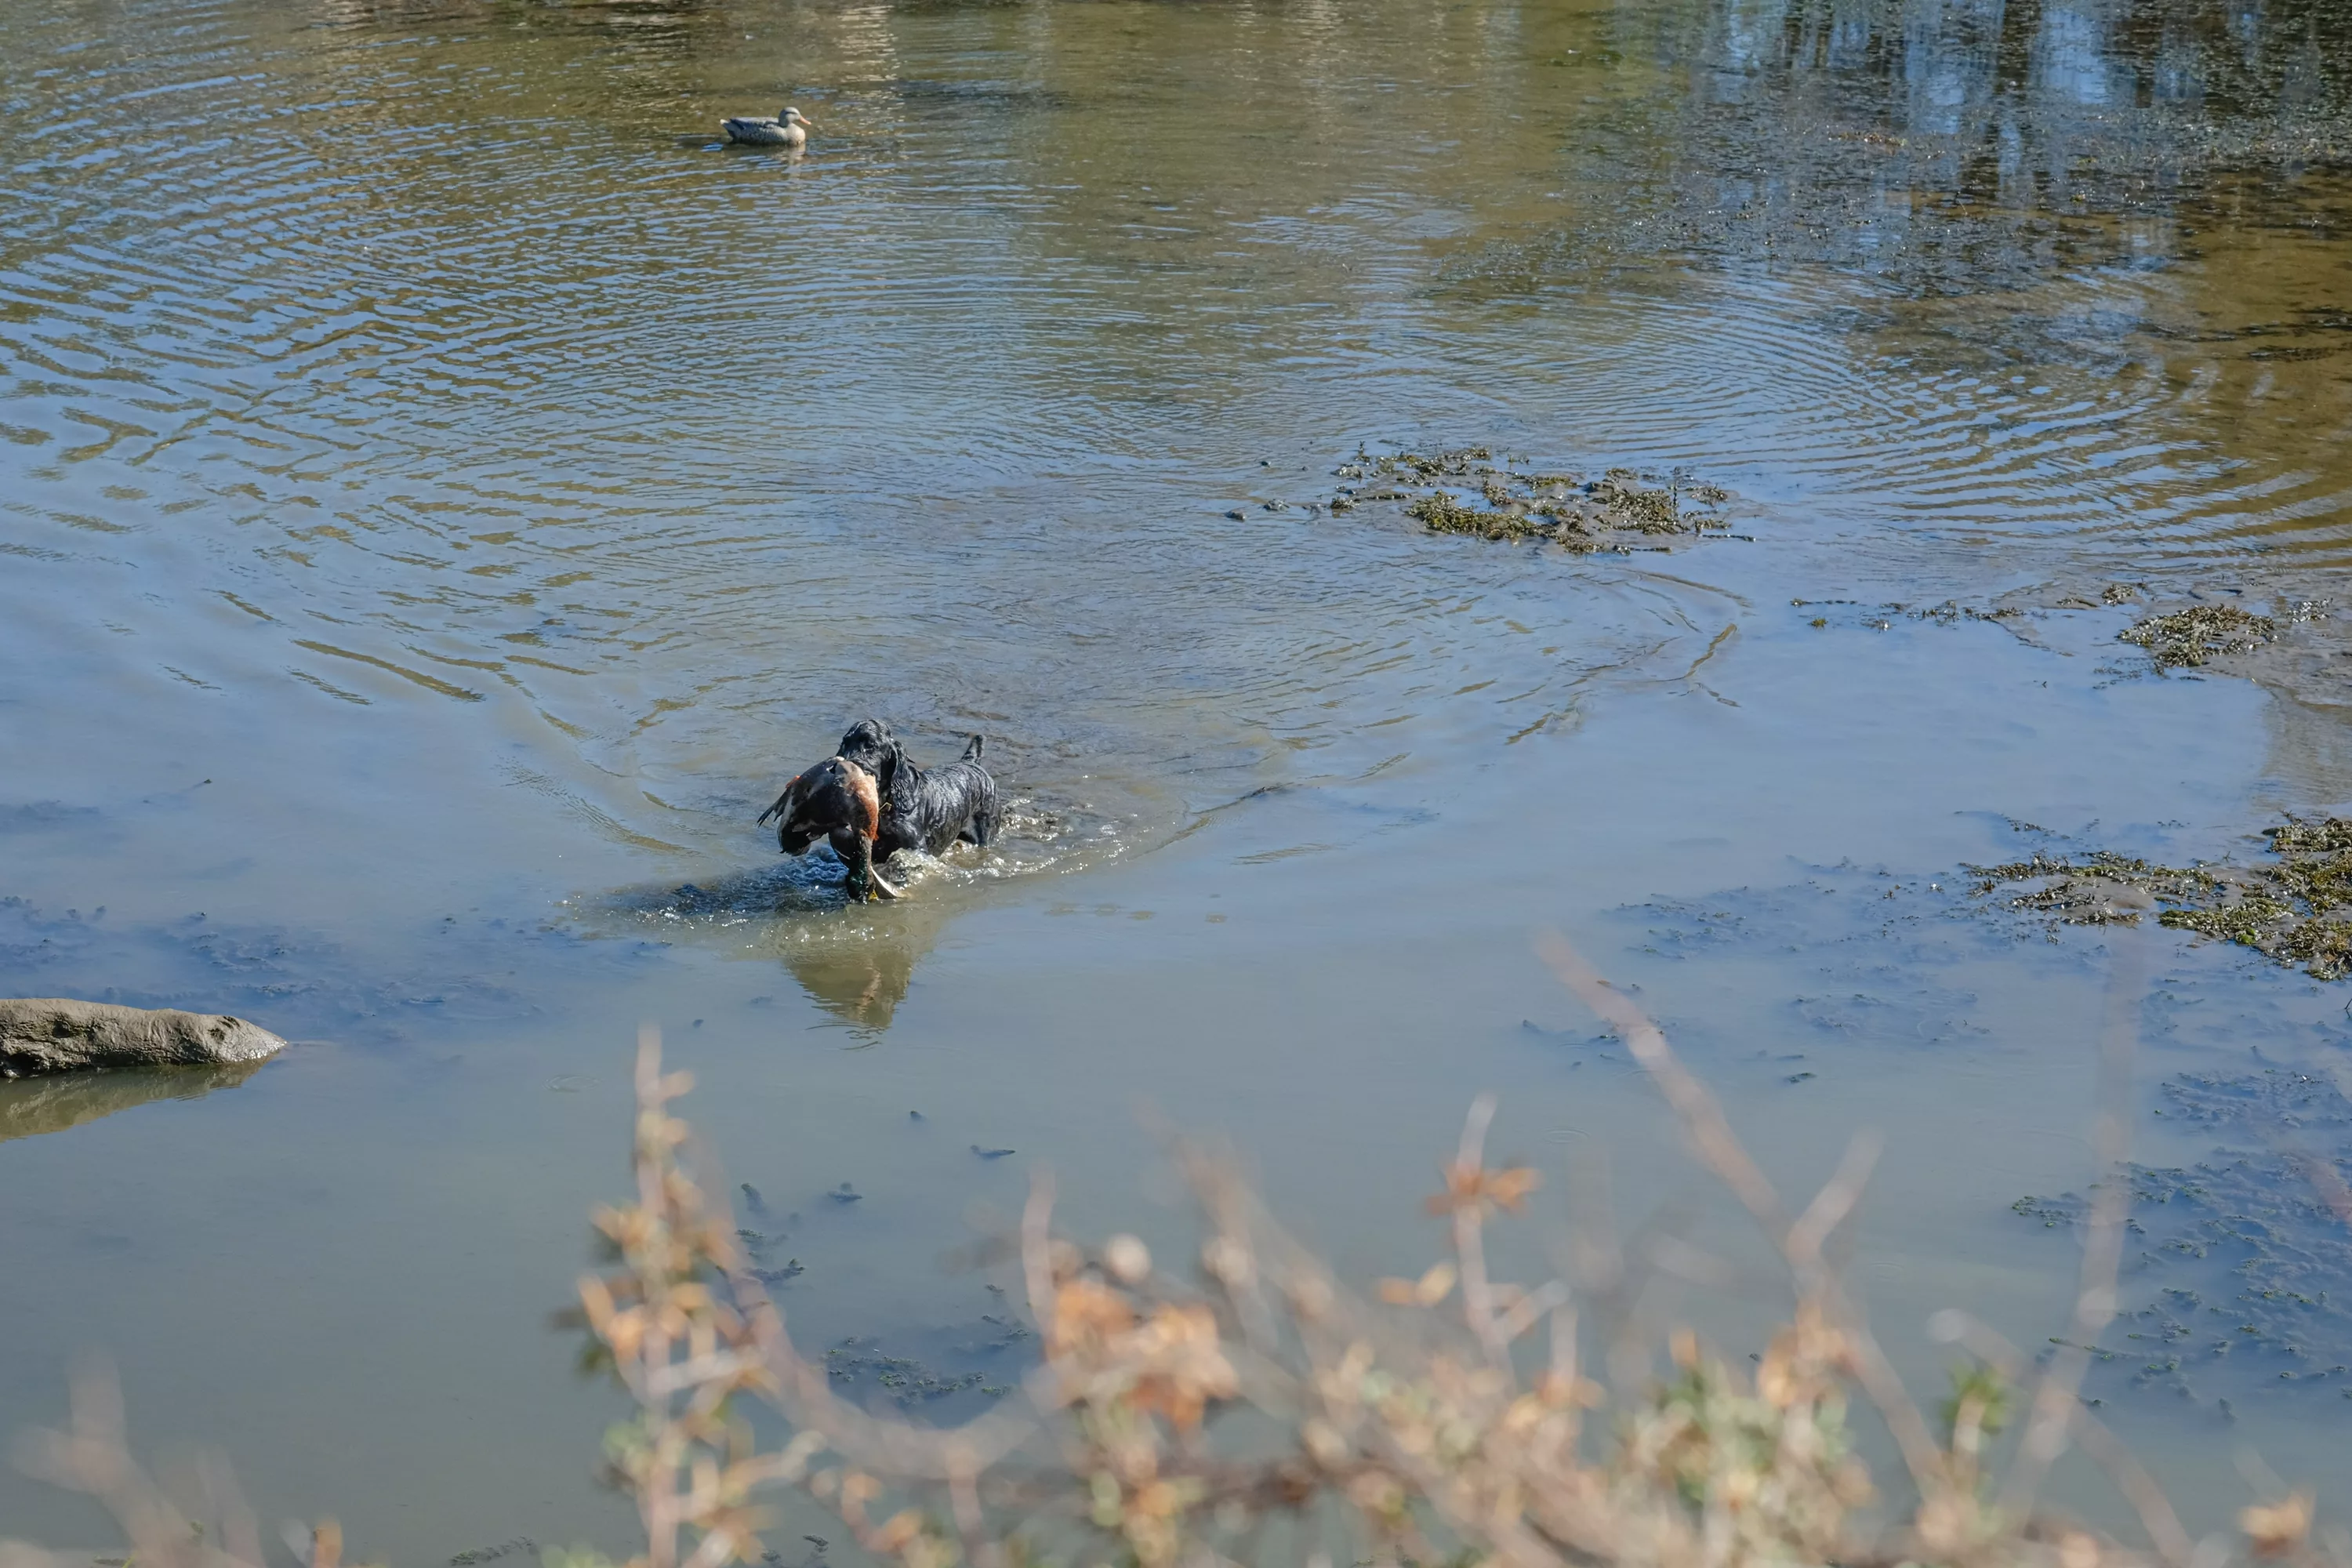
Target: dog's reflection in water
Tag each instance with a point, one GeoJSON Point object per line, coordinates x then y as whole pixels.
{"type": "Point", "coordinates": [862, 979]}
{"type": "Point", "coordinates": [856, 962]}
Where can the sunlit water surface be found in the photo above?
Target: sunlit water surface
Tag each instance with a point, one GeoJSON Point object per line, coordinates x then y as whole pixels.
{"type": "Point", "coordinates": [444, 496]}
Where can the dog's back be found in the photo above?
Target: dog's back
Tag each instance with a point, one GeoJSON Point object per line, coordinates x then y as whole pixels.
{"type": "Point", "coordinates": [977, 789]}
{"type": "Point", "coordinates": [929, 809]}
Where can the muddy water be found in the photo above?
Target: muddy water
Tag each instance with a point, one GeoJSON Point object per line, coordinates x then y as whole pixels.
{"type": "Point", "coordinates": [444, 496]}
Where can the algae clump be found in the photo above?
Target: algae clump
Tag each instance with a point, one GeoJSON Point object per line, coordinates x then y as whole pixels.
{"type": "Point", "coordinates": [2187, 638]}
{"type": "Point", "coordinates": [2296, 909]}
{"type": "Point", "coordinates": [1464, 491]}
{"type": "Point", "coordinates": [1441, 513]}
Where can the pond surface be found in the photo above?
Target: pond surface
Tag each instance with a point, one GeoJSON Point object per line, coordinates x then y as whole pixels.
{"type": "Point", "coordinates": [445, 495]}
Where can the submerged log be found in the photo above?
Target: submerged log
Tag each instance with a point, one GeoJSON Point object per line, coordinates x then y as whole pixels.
{"type": "Point", "coordinates": [49, 1034]}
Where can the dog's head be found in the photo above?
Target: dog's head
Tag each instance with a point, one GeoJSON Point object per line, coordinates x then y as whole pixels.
{"type": "Point", "coordinates": [871, 746]}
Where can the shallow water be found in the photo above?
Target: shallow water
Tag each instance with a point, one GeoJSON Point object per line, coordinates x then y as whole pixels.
{"type": "Point", "coordinates": [444, 497]}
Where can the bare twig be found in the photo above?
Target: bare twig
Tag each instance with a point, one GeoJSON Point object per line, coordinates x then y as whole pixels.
{"type": "Point", "coordinates": [1712, 1139]}
{"type": "Point", "coordinates": [1836, 1200]}
{"type": "Point", "coordinates": [1720, 1149]}
{"type": "Point", "coordinates": [1469, 1241]}
{"type": "Point", "coordinates": [2328, 1183]}
{"type": "Point", "coordinates": [2165, 1532]}
{"type": "Point", "coordinates": [93, 1456]}
{"type": "Point", "coordinates": [2056, 1396]}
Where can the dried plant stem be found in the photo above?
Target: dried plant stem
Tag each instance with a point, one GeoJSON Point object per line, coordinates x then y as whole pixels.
{"type": "Point", "coordinates": [1720, 1149]}
{"type": "Point", "coordinates": [2098, 1442]}
{"type": "Point", "coordinates": [2057, 1395]}
{"type": "Point", "coordinates": [1469, 1240]}
{"type": "Point", "coordinates": [93, 1456]}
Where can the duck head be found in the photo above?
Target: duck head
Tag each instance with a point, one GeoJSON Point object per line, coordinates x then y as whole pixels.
{"type": "Point", "coordinates": [794, 117]}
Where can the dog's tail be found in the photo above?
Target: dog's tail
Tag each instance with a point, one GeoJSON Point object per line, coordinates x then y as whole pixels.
{"type": "Point", "coordinates": [973, 747]}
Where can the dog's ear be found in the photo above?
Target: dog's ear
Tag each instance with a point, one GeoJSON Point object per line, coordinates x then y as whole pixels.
{"type": "Point", "coordinates": [892, 755]}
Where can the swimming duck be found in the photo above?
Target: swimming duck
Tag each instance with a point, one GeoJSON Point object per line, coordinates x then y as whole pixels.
{"type": "Point", "coordinates": [787, 130]}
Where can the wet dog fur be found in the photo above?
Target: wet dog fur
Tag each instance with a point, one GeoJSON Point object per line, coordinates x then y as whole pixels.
{"type": "Point", "coordinates": [930, 809]}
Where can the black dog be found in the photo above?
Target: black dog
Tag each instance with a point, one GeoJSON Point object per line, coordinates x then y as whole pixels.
{"type": "Point", "coordinates": [870, 802]}
{"type": "Point", "coordinates": [840, 801]}
{"type": "Point", "coordinates": [925, 811]}
{"type": "Point", "coordinates": [930, 811]}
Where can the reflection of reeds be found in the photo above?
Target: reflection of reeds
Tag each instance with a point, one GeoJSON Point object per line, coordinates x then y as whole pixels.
{"type": "Point", "coordinates": [1260, 1405]}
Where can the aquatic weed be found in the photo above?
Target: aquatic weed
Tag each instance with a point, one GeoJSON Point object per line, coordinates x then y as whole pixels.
{"type": "Point", "coordinates": [1464, 491]}
{"type": "Point", "coordinates": [2294, 838]}
{"type": "Point", "coordinates": [1441, 513]}
{"type": "Point", "coordinates": [2187, 638]}
{"type": "Point", "coordinates": [2244, 1248]}
{"type": "Point", "coordinates": [2247, 921]}
{"type": "Point", "coordinates": [2286, 908]}
{"type": "Point", "coordinates": [2086, 891]}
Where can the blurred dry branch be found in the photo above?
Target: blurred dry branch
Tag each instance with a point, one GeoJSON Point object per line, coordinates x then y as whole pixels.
{"type": "Point", "coordinates": [93, 1456]}
{"type": "Point", "coordinates": [1198, 1417]}
{"type": "Point", "coordinates": [1249, 1407]}
{"type": "Point", "coordinates": [681, 1348]}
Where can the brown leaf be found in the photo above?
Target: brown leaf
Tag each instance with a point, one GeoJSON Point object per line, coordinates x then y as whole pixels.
{"type": "Point", "coordinates": [1467, 1187]}
{"type": "Point", "coordinates": [2279, 1528]}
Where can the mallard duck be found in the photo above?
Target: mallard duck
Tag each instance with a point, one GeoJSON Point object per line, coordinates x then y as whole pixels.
{"type": "Point", "coordinates": [787, 130]}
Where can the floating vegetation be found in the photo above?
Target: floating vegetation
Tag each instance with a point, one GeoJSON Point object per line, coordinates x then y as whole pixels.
{"type": "Point", "coordinates": [910, 1382]}
{"type": "Point", "coordinates": [2101, 889]}
{"type": "Point", "coordinates": [2329, 836]}
{"type": "Point", "coordinates": [1951, 611]}
{"type": "Point", "coordinates": [1464, 491]}
{"type": "Point", "coordinates": [2112, 594]}
{"type": "Point", "coordinates": [2187, 638]}
{"type": "Point", "coordinates": [2269, 1100]}
{"type": "Point", "coordinates": [1881, 617]}
{"type": "Point", "coordinates": [2297, 908]}
{"type": "Point", "coordinates": [2246, 1254]}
